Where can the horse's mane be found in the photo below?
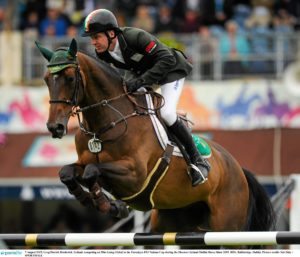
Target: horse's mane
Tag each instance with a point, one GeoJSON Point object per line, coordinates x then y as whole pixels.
{"type": "Point", "coordinates": [111, 71]}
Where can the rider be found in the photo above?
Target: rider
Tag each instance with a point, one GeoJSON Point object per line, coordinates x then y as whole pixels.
{"type": "Point", "coordinates": [147, 62]}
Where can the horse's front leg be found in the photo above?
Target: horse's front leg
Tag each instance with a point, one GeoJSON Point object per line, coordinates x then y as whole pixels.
{"type": "Point", "coordinates": [68, 176]}
{"type": "Point", "coordinates": [93, 178]}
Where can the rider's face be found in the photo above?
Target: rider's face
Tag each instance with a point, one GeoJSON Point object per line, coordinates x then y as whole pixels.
{"type": "Point", "coordinates": [100, 41]}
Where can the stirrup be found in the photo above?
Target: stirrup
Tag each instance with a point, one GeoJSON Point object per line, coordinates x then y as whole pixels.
{"type": "Point", "coordinates": [192, 168]}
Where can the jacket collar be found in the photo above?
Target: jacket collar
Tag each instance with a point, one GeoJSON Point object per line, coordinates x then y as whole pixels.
{"type": "Point", "coordinates": [126, 52]}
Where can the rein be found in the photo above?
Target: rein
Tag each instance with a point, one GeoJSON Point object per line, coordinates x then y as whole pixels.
{"type": "Point", "coordinates": [123, 118]}
{"type": "Point", "coordinates": [104, 103]}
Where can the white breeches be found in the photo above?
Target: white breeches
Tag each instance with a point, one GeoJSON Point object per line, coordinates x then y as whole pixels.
{"type": "Point", "coordinates": [171, 93]}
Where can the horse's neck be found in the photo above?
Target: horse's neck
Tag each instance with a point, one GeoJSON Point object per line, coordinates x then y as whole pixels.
{"type": "Point", "coordinates": [102, 84]}
{"type": "Point", "coordinates": [98, 84]}
{"type": "Point", "coordinates": [99, 89]}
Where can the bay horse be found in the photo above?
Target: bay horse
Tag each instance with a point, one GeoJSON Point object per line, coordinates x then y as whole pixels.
{"type": "Point", "coordinates": [118, 151]}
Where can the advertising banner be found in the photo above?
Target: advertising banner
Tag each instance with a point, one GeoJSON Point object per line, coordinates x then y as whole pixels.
{"type": "Point", "coordinates": [233, 104]}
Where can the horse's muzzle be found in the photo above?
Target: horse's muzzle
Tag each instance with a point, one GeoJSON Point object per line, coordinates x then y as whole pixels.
{"type": "Point", "coordinates": [57, 129]}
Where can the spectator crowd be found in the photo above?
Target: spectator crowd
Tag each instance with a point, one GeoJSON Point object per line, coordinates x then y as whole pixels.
{"type": "Point", "coordinates": [231, 21]}
{"type": "Point", "coordinates": [65, 17]}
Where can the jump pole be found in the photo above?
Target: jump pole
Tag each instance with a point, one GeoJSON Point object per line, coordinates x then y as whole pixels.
{"type": "Point", "coordinates": [136, 239]}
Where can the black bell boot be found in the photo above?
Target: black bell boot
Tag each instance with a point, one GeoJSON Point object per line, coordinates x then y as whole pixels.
{"type": "Point", "coordinates": [199, 167]}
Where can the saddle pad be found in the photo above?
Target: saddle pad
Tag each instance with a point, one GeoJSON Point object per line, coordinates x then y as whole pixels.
{"type": "Point", "coordinates": [202, 146]}
{"type": "Point", "coordinates": [163, 139]}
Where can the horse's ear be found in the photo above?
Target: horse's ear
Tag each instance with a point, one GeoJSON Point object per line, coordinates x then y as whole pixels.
{"type": "Point", "coordinates": [44, 51]}
{"type": "Point", "coordinates": [73, 48]}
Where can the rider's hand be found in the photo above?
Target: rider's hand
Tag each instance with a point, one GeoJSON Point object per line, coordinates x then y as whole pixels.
{"type": "Point", "coordinates": [134, 84]}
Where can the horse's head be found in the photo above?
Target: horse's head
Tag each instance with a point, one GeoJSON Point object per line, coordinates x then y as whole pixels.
{"type": "Point", "coordinates": [64, 83]}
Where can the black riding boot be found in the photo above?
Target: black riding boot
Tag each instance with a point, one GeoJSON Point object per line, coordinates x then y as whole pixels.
{"type": "Point", "coordinates": [199, 167]}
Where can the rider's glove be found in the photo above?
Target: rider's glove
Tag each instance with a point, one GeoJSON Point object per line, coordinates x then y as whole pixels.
{"type": "Point", "coordinates": [134, 84]}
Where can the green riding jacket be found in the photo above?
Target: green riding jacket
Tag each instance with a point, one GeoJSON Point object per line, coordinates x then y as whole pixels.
{"type": "Point", "coordinates": [147, 58]}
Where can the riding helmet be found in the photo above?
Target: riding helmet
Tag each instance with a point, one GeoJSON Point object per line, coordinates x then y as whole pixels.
{"type": "Point", "coordinates": [100, 20]}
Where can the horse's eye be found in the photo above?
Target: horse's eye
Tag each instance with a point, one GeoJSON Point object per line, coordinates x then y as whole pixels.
{"type": "Point", "coordinates": [70, 79]}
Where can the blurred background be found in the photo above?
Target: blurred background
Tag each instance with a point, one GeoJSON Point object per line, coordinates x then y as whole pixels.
{"type": "Point", "coordinates": [244, 93]}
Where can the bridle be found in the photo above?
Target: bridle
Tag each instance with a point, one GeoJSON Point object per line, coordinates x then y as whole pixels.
{"type": "Point", "coordinates": [76, 110]}
{"type": "Point", "coordinates": [74, 100]}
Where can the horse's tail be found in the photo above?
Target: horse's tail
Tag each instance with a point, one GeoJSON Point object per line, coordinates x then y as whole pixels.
{"type": "Point", "coordinates": [261, 216]}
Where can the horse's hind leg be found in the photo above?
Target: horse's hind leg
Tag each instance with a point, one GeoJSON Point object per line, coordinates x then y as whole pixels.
{"type": "Point", "coordinates": [229, 210]}
{"type": "Point", "coordinates": [68, 175]}
{"type": "Point", "coordinates": [192, 218]}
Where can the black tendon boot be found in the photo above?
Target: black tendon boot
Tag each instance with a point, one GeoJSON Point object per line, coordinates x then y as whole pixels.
{"type": "Point", "coordinates": [199, 167]}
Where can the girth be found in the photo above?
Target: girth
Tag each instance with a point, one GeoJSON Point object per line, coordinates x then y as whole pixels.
{"type": "Point", "coordinates": [142, 200]}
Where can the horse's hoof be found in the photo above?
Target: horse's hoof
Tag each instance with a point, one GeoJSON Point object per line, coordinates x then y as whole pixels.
{"type": "Point", "coordinates": [90, 175]}
{"type": "Point", "coordinates": [119, 209]}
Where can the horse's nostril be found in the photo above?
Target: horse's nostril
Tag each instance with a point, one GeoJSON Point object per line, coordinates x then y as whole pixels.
{"type": "Point", "coordinates": [60, 127]}
{"type": "Point", "coordinates": [57, 129]}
